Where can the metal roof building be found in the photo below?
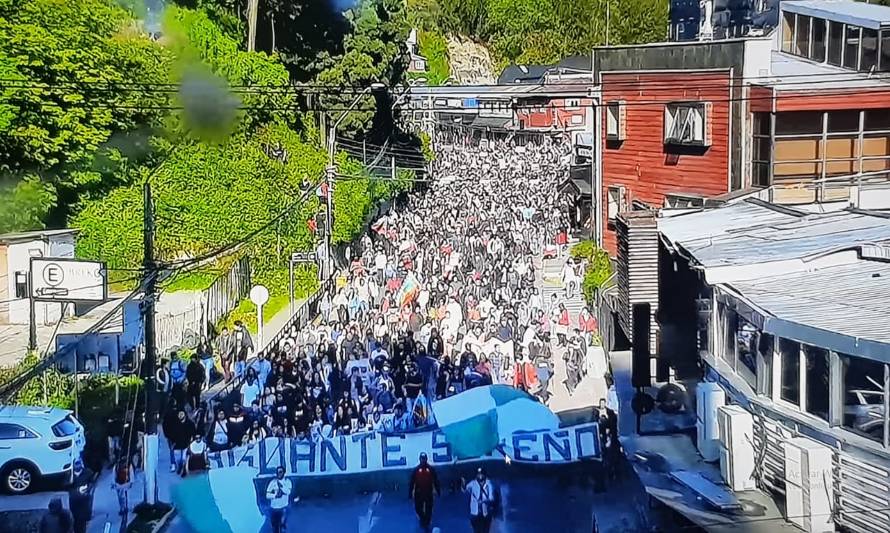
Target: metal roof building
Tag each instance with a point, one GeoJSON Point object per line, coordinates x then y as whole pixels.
{"type": "Point", "coordinates": [728, 243]}
{"type": "Point", "coordinates": [845, 308]}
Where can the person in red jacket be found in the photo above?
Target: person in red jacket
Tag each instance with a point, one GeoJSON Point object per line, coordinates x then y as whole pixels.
{"type": "Point", "coordinates": [525, 375]}
{"type": "Point", "coordinates": [424, 483]}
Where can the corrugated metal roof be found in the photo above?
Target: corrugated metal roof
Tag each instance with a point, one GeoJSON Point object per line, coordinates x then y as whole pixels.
{"type": "Point", "coordinates": [859, 13]}
{"type": "Point", "coordinates": [711, 223]}
{"type": "Point", "coordinates": [746, 233]}
{"type": "Point", "coordinates": [797, 238]}
{"type": "Point", "coordinates": [851, 300]}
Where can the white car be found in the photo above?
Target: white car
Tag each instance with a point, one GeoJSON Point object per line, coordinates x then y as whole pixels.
{"type": "Point", "coordinates": [37, 443]}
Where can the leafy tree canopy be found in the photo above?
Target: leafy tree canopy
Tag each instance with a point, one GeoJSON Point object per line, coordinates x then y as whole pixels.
{"type": "Point", "coordinates": [545, 31]}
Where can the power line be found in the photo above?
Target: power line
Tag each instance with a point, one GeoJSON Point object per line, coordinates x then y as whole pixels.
{"type": "Point", "coordinates": [334, 90]}
{"type": "Point", "coordinates": [247, 238]}
{"type": "Point", "coordinates": [15, 384]}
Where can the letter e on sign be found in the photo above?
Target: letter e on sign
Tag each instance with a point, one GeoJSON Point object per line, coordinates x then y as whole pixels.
{"type": "Point", "coordinates": [53, 274]}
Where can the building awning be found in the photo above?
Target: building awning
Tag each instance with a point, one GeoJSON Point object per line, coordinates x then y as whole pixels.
{"type": "Point", "coordinates": [584, 139]}
{"type": "Point", "coordinates": [575, 186]}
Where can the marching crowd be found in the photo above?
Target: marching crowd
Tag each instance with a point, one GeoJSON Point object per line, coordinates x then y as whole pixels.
{"type": "Point", "coordinates": [438, 298]}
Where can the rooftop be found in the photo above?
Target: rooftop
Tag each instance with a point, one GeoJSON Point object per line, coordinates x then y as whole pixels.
{"type": "Point", "coordinates": [35, 235]}
{"type": "Point", "coordinates": [692, 227]}
{"type": "Point", "coordinates": [872, 16]}
{"type": "Point", "coordinates": [758, 232]}
{"type": "Point", "coordinates": [848, 312]}
{"type": "Point", "coordinates": [523, 73]}
{"type": "Point", "coordinates": [792, 73]}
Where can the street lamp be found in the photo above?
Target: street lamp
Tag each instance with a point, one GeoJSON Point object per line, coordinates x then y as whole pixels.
{"type": "Point", "coordinates": [331, 173]}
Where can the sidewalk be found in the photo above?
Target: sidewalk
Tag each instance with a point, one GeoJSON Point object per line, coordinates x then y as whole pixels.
{"type": "Point", "coordinates": [105, 504]}
{"type": "Point", "coordinates": [593, 385]}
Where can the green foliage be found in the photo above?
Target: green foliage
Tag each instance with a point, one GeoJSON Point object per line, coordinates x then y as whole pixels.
{"type": "Point", "coordinates": [81, 69]}
{"type": "Point", "coordinates": [25, 204]}
{"type": "Point", "coordinates": [209, 60]}
{"type": "Point", "coordinates": [197, 280]}
{"type": "Point", "coordinates": [434, 47]}
{"type": "Point", "coordinates": [598, 267]}
{"type": "Point", "coordinates": [545, 31]}
{"type": "Point", "coordinates": [426, 147]}
{"type": "Point", "coordinates": [373, 53]}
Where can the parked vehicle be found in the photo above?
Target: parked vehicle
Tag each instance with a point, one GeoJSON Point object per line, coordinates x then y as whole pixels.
{"type": "Point", "coordinates": [37, 443]}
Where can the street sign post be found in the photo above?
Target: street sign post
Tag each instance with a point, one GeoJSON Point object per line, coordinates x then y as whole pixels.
{"type": "Point", "coordinates": [259, 295]}
{"type": "Point", "coordinates": [298, 258]}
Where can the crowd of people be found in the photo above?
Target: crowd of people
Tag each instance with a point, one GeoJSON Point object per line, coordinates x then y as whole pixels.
{"type": "Point", "coordinates": [439, 297]}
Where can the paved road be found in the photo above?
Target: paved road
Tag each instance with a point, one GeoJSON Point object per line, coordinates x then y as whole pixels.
{"type": "Point", "coordinates": [539, 504]}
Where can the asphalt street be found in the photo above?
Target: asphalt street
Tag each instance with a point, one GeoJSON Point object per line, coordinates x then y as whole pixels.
{"type": "Point", "coordinates": [543, 504]}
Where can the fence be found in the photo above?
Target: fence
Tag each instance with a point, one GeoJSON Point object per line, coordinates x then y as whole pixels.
{"type": "Point", "coordinates": [303, 315]}
{"type": "Point", "coordinates": [180, 330]}
{"type": "Point", "coordinates": [227, 291]}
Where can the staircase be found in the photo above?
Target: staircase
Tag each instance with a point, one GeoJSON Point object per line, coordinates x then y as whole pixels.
{"type": "Point", "coordinates": [549, 281]}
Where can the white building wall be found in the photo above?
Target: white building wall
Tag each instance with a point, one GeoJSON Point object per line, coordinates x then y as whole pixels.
{"type": "Point", "coordinates": [19, 260]}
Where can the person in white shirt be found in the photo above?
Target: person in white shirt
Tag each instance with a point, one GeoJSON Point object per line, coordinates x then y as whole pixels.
{"type": "Point", "coordinates": [482, 501]}
{"type": "Point", "coordinates": [278, 493]}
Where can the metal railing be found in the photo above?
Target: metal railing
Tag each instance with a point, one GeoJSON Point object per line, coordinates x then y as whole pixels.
{"type": "Point", "coordinates": [304, 314]}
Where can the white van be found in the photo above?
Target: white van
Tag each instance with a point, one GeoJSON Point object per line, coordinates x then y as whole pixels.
{"type": "Point", "coordinates": [37, 443]}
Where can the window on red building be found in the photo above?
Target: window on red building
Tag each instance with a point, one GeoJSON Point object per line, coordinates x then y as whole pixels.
{"type": "Point", "coordinates": [686, 123]}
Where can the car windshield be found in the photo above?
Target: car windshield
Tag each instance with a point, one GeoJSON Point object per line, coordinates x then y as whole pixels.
{"type": "Point", "coordinates": [65, 428]}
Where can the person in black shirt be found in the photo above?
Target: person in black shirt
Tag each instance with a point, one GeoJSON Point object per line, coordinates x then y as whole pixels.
{"type": "Point", "coordinates": [194, 374]}
{"type": "Point", "coordinates": [80, 496]}
{"type": "Point", "coordinates": [413, 385]}
{"type": "Point", "coordinates": [238, 425]}
{"type": "Point", "coordinates": [435, 347]}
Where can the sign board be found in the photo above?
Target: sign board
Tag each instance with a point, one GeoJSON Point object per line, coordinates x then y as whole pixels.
{"type": "Point", "coordinates": [68, 280]}
{"type": "Point", "coordinates": [303, 257]}
{"type": "Point", "coordinates": [470, 103]}
{"type": "Point", "coordinates": [374, 452]}
{"type": "Point", "coordinates": [259, 295]}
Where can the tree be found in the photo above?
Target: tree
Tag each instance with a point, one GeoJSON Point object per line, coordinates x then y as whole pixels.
{"type": "Point", "coordinates": [374, 53]}
{"type": "Point", "coordinates": [82, 72]}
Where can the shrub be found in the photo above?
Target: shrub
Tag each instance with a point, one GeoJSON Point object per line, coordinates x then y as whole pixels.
{"type": "Point", "coordinates": [598, 267]}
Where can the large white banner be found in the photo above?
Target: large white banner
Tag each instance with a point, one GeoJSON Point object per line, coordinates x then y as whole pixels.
{"type": "Point", "coordinates": [371, 452]}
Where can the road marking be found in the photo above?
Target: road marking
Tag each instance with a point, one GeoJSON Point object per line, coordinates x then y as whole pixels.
{"type": "Point", "coordinates": [366, 523]}
{"type": "Point", "coordinates": [503, 524]}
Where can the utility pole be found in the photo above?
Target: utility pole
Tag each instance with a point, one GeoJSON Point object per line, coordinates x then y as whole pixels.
{"type": "Point", "coordinates": [329, 176]}
{"type": "Point", "coordinates": [252, 8]}
{"type": "Point", "coordinates": [150, 443]}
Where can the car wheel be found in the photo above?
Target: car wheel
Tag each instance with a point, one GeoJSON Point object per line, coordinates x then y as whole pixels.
{"type": "Point", "coordinates": [19, 478]}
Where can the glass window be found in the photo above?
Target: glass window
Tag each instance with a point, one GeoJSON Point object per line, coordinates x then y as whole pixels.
{"type": "Point", "coordinates": [817, 381]}
{"type": "Point", "coordinates": [65, 428]}
{"type": "Point", "coordinates": [799, 123]}
{"type": "Point", "coordinates": [851, 47]}
{"type": "Point", "coordinates": [818, 51]}
{"type": "Point", "coordinates": [869, 49]}
{"type": "Point", "coordinates": [746, 339]}
{"type": "Point", "coordinates": [787, 31]}
{"type": "Point", "coordinates": [864, 397]}
{"type": "Point", "coordinates": [835, 42]}
{"type": "Point", "coordinates": [877, 120]}
{"type": "Point", "coordinates": [765, 370]}
{"type": "Point", "coordinates": [790, 354]}
{"type": "Point", "coordinates": [729, 327]}
{"type": "Point", "coordinates": [761, 123]}
{"type": "Point", "coordinates": [802, 36]}
{"type": "Point", "coordinates": [843, 122]}
{"type": "Point", "coordinates": [885, 51]}
{"type": "Point", "coordinates": [14, 431]}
